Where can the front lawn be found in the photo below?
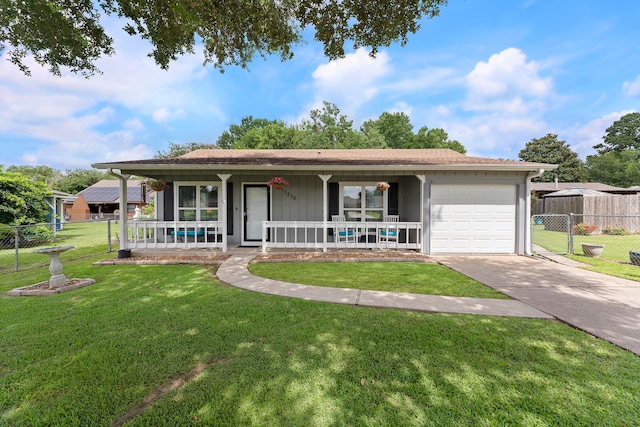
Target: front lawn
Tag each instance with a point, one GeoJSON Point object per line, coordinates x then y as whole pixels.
{"type": "Point", "coordinates": [411, 277]}
{"type": "Point", "coordinates": [85, 357]}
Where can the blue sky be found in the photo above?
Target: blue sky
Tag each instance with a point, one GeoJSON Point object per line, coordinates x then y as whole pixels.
{"type": "Point", "coordinates": [494, 74]}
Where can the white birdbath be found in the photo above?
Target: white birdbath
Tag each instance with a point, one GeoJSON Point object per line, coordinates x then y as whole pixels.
{"type": "Point", "coordinates": [55, 267]}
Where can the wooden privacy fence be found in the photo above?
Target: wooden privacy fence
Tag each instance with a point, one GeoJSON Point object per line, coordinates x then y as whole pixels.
{"type": "Point", "coordinates": [603, 211]}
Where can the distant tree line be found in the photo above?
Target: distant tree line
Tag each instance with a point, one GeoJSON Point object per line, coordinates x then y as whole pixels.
{"type": "Point", "coordinates": [326, 128]}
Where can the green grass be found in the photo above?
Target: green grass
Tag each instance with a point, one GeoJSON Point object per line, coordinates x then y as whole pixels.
{"type": "Point", "coordinates": [85, 357]}
{"type": "Point", "coordinates": [615, 256]}
{"type": "Point", "coordinates": [87, 238]}
{"type": "Point", "coordinates": [616, 247]}
{"type": "Point", "coordinates": [624, 270]}
{"type": "Point", "coordinates": [412, 277]}
{"type": "Point", "coordinates": [552, 241]}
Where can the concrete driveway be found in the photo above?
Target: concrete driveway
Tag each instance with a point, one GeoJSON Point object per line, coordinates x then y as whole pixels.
{"type": "Point", "coordinates": [604, 306]}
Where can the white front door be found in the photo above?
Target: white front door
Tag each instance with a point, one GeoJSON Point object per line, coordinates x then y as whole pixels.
{"type": "Point", "coordinates": [255, 210]}
{"type": "Point", "coordinates": [473, 218]}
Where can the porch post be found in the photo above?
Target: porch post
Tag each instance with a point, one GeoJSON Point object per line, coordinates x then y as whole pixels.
{"type": "Point", "coordinates": [325, 209]}
{"type": "Point", "coordinates": [223, 216]}
{"type": "Point", "coordinates": [124, 237]}
{"type": "Point", "coordinates": [425, 246]}
{"type": "Point", "coordinates": [54, 211]}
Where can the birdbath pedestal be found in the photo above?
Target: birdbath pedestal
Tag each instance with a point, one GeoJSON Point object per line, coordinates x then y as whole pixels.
{"type": "Point", "coordinates": [55, 267]}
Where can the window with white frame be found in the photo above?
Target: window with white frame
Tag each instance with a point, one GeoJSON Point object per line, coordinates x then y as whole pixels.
{"type": "Point", "coordinates": [197, 201]}
{"type": "Point", "coordinates": [362, 202]}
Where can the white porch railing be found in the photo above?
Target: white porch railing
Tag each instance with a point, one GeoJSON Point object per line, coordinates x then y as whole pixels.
{"type": "Point", "coordinates": [369, 235]}
{"type": "Point", "coordinates": [144, 234]}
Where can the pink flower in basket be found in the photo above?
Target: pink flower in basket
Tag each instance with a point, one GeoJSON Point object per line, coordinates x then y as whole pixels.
{"type": "Point", "coordinates": [382, 186]}
{"type": "Point", "coordinates": [278, 182]}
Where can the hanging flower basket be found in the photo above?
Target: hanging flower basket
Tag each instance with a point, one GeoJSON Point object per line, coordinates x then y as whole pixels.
{"type": "Point", "coordinates": [382, 186]}
{"type": "Point", "coordinates": [158, 185]}
{"type": "Point", "coordinates": [278, 183]}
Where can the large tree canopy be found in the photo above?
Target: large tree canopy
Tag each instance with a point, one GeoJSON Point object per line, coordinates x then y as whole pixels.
{"type": "Point", "coordinates": [176, 150]}
{"type": "Point", "coordinates": [618, 158]}
{"type": "Point", "coordinates": [45, 174]}
{"type": "Point", "coordinates": [22, 200]}
{"type": "Point", "coordinates": [549, 149]}
{"type": "Point", "coordinates": [68, 33]}
{"type": "Point", "coordinates": [74, 181]}
{"type": "Point", "coordinates": [623, 134]}
{"type": "Point", "coordinates": [327, 128]}
{"type": "Point", "coordinates": [621, 169]}
{"type": "Point", "coordinates": [397, 130]}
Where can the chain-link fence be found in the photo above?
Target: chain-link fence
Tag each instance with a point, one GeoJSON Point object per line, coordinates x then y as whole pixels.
{"type": "Point", "coordinates": [609, 237]}
{"type": "Point", "coordinates": [550, 233]}
{"type": "Point", "coordinates": [17, 243]}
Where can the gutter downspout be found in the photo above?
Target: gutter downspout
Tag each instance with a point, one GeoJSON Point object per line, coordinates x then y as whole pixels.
{"type": "Point", "coordinates": [528, 243]}
{"type": "Point", "coordinates": [123, 210]}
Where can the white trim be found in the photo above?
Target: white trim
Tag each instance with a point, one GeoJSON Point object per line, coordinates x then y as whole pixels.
{"type": "Point", "coordinates": [244, 242]}
{"type": "Point", "coordinates": [396, 169]}
{"type": "Point", "coordinates": [176, 200]}
{"type": "Point", "coordinates": [325, 210]}
{"type": "Point", "coordinates": [225, 199]}
{"type": "Point", "coordinates": [385, 197]}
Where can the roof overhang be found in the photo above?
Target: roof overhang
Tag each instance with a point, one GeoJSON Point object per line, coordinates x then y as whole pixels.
{"type": "Point", "coordinates": [388, 160]}
{"type": "Point", "coordinates": [140, 168]}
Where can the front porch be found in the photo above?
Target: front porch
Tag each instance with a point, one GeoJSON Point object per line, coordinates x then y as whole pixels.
{"type": "Point", "coordinates": [276, 235]}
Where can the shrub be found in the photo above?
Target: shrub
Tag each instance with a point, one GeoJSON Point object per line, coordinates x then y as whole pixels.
{"type": "Point", "coordinates": [616, 231]}
{"type": "Point", "coordinates": [583, 229]}
{"type": "Point", "coordinates": [7, 240]}
{"type": "Point", "coordinates": [34, 235]}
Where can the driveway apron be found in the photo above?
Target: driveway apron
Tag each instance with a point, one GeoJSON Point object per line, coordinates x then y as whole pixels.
{"type": "Point", "coordinates": [604, 306]}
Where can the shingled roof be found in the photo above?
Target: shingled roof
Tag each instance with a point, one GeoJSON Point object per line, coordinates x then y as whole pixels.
{"type": "Point", "coordinates": [341, 158]}
{"type": "Point", "coordinates": [108, 191]}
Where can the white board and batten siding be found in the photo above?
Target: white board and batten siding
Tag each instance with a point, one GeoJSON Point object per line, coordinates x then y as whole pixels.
{"type": "Point", "coordinates": [473, 218]}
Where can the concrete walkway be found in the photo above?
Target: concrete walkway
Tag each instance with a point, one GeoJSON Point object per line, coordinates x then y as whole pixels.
{"type": "Point", "coordinates": [234, 272]}
{"type": "Point", "coordinates": [604, 306]}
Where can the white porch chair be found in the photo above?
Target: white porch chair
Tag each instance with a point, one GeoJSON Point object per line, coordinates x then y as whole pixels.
{"type": "Point", "coordinates": [390, 232]}
{"type": "Point", "coordinates": [341, 233]}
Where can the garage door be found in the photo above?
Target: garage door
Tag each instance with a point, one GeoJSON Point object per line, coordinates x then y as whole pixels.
{"type": "Point", "coordinates": [473, 218]}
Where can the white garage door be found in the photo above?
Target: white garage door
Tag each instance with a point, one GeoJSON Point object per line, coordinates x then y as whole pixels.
{"type": "Point", "coordinates": [473, 218]}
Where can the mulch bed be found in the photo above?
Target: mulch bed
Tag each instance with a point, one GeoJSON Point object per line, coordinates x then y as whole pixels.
{"type": "Point", "coordinates": [44, 288]}
{"type": "Point", "coordinates": [346, 256]}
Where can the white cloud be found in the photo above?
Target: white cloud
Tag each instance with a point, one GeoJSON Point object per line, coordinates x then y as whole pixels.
{"type": "Point", "coordinates": [504, 107]}
{"type": "Point", "coordinates": [164, 115]}
{"type": "Point", "coordinates": [494, 134]}
{"type": "Point", "coordinates": [133, 124]}
{"type": "Point", "coordinates": [427, 79]}
{"type": "Point", "coordinates": [351, 81]}
{"type": "Point", "coordinates": [401, 107]}
{"type": "Point", "coordinates": [590, 134]}
{"type": "Point", "coordinates": [443, 111]}
{"type": "Point", "coordinates": [507, 83]}
{"type": "Point", "coordinates": [632, 88]}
